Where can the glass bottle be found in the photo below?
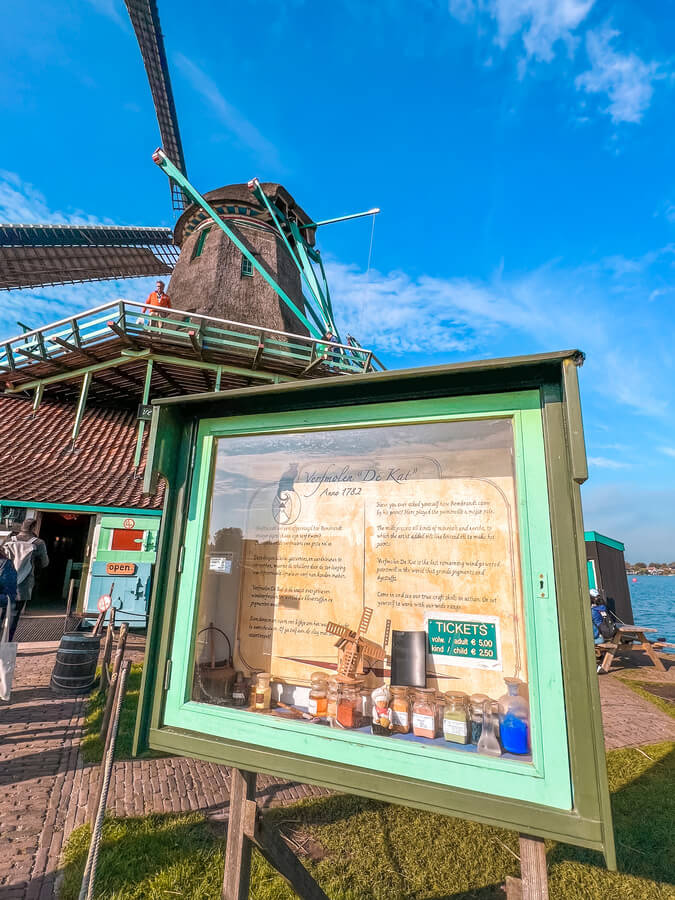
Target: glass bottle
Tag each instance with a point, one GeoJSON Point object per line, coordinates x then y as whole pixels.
{"type": "Point", "coordinates": [331, 700]}
{"type": "Point", "coordinates": [318, 695]}
{"type": "Point", "coordinates": [456, 718]}
{"type": "Point", "coordinates": [263, 691]}
{"type": "Point", "coordinates": [399, 706]}
{"type": "Point", "coordinates": [365, 705]}
{"type": "Point", "coordinates": [487, 742]}
{"type": "Point", "coordinates": [348, 714]}
{"type": "Point", "coordinates": [514, 719]}
{"type": "Point", "coordinates": [476, 702]}
{"type": "Point", "coordinates": [239, 690]}
{"type": "Point", "coordinates": [424, 713]}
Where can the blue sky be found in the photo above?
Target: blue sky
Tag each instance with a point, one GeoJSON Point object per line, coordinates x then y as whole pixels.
{"type": "Point", "coordinates": [521, 152]}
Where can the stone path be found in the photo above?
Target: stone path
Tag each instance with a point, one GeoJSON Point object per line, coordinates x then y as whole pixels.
{"type": "Point", "coordinates": [44, 784]}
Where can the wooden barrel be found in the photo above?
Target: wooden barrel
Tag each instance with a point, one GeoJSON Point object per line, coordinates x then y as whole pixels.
{"type": "Point", "coordinates": [75, 667]}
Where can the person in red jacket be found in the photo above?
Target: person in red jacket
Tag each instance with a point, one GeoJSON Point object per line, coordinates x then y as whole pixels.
{"type": "Point", "coordinates": [157, 298]}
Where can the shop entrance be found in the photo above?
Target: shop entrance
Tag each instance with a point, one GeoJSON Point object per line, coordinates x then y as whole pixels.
{"type": "Point", "coordinates": [65, 535]}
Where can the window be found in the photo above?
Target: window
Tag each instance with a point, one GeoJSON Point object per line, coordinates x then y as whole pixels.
{"type": "Point", "coordinates": [246, 267]}
{"type": "Point", "coordinates": [201, 240]}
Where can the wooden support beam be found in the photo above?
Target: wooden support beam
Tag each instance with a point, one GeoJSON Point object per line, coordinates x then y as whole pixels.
{"type": "Point", "coordinates": [73, 348]}
{"type": "Point", "coordinates": [246, 829]}
{"type": "Point", "coordinates": [196, 342]}
{"type": "Point", "coordinates": [169, 378]}
{"type": "Point", "coordinates": [313, 365]}
{"type": "Point", "coordinates": [37, 399]}
{"type": "Point", "coordinates": [238, 851]}
{"type": "Point", "coordinates": [121, 333]}
{"type": "Point", "coordinates": [81, 403]}
{"type": "Point", "coordinates": [42, 359]}
{"type": "Point", "coordinates": [533, 883]}
{"type": "Point", "coordinates": [260, 350]}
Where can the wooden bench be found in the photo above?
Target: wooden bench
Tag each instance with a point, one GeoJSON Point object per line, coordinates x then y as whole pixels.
{"type": "Point", "coordinates": [629, 637]}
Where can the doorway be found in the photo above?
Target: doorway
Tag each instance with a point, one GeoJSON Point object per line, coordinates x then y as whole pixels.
{"type": "Point", "coordinates": [65, 535]}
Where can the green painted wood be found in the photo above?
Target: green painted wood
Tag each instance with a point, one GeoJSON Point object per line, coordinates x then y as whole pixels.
{"type": "Point", "coordinates": [82, 508]}
{"type": "Point", "coordinates": [589, 822]}
{"type": "Point", "coordinates": [603, 539]}
{"type": "Point", "coordinates": [574, 422]}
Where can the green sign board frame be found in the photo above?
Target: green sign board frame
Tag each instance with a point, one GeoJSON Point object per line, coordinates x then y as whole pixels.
{"type": "Point", "coordinates": [563, 793]}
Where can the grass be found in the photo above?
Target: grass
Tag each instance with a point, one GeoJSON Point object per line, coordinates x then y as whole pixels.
{"type": "Point", "coordinates": [92, 745]}
{"type": "Point", "coordinates": [637, 686]}
{"type": "Point", "coordinates": [374, 851]}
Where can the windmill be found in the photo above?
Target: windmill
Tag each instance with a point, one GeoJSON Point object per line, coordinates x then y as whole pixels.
{"type": "Point", "coordinates": [243, 252]}
{"type": "Point", "coordinates": [354, 650]}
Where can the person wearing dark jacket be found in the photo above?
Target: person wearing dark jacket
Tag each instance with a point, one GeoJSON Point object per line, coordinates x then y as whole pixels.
{"type": "Point", "coordinates": [7, 591]}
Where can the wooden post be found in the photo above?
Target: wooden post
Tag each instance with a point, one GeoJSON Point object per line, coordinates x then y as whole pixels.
{"type": "Point", "coordinates": [119, 656]}
{"type": "Point", "coordinates": [107, 653]}
{"type": "Point", "coordinates": [238, 850]}
{"type": "Point", "coordinates": [246, 829]}
{"type": "Point", "coordinates": [533, 884]}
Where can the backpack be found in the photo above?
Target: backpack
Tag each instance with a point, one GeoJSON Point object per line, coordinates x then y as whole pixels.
{"type": "Point", "coordinates": [607, 628]}
{"type": "Point", "coordinates": [21, 554]}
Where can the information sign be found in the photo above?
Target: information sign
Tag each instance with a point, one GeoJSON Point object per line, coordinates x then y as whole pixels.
{"type": "Point", "coordinates": [428, 523]}
{"type": "Point", "coordinates": [120, 568]}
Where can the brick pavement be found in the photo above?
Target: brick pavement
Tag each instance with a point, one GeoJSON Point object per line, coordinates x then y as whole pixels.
{"type": "Point", "coordinates": [44, 784]}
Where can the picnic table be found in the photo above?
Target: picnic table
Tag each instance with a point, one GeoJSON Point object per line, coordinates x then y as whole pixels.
{"type": "Point", "coordinates": [629, 637]}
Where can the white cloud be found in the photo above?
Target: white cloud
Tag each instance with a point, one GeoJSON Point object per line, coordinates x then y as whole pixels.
{"type": "Point", "coordinates": [669, 451]}
{"type": "Point", "coordinates": [626, 79]}
{"type": "Point", "coordinates": [233, 120]}
{"type": "Point", "coordinates": [604, 462]}
{"type": "Point", "coordinates": [634, 513]}
{"type": "Point", "coordinates": [541, 23]}
{"type": "Point", "coordinates": [22, 203]}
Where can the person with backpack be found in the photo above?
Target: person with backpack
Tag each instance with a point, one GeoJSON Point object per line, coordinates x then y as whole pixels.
{"type": "Point", "coordinates": [604, 627]}
{"type": "Point", "coordinates": [28, 553]}
{"type": "Point", "coordinates": [7, 589]}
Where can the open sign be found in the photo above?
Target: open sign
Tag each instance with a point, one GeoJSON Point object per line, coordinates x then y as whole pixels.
{"type": "Point", "coordinates": [120, 568]}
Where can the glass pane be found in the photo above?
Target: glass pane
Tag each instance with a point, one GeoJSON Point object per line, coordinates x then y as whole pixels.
{"type": "Point", "coordinates": [339, 563]}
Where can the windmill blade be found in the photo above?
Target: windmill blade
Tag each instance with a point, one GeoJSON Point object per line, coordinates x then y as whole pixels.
{"type": "Point", "coordinates": [145, 20]}
{"type": "Point", "coordinates": [372, 650]}
{"type": "Point", "coordinates": [339, 630]}
{"type": "Point", "coordinates": [40, 255]}
{"type": "Point", "coordinates": [366, 616]}
{"type": "Point", "coordinates": [349, 661]}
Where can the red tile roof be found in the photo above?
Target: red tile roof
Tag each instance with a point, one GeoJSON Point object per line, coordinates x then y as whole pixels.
{"type": "Point", "coordinates": [38, 465]}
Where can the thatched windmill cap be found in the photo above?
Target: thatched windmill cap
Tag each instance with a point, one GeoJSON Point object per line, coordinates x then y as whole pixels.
{"type": "Point", "coordinates": [234, 195]}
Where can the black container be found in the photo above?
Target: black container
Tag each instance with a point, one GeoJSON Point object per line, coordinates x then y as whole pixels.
{"type": "Point", "coordinates": [75, 667]}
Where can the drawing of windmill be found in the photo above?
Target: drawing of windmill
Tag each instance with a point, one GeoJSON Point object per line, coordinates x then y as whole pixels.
{"type": "Point", "coordinates": [355, 650]}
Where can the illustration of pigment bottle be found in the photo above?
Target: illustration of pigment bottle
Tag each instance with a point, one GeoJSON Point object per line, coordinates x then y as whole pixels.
{"type": "Point", "coordinates": [514, 719]}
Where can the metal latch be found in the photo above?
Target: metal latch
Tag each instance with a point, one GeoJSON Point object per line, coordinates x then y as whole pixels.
{"type": "Point", "coordinates": [542, 586]}
{"type": "Point", "coordinates": [167, 675]}
{"type": "Point", "coordinates": [181, 558]}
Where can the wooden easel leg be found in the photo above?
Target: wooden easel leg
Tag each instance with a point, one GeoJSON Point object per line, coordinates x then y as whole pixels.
{"type": "Point", "coordinates": [533, 868]}
{"type": "Point", "coordinates": [243, 831]}
{"type": "Point", "coordinates": [238, 851]}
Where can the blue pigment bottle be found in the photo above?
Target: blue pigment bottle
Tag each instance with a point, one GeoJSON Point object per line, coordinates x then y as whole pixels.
{"type": "Point", "coordinates": [514, 719]}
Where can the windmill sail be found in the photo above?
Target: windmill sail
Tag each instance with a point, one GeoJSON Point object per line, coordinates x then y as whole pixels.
{"type": "Point", "coordinates": [39, 255]}
{"type": "Point", "coordinates": [145, 20]}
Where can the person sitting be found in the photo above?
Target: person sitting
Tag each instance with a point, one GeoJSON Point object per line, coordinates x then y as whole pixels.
{"type": "Point", "coordinates": [604, 628]}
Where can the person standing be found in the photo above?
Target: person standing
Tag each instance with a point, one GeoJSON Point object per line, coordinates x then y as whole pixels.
{"type": "Point", "coordinates": [156, 301]}
{"type": "Point", "coordinates": [28, 552]}
{"type": "Point", "coordinates": [7, 589]}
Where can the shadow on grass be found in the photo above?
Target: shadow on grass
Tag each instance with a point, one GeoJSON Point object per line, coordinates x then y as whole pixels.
{"type": "Point", "coordinates": [374, 851]}
{"type": "Point", "coordinates": [643, 807]}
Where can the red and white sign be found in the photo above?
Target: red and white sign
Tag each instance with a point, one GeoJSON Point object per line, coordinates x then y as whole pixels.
{"type": "Point", "coordinates": [104, 603]}
{"type": "Point", "coordinates": [129, 523]}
